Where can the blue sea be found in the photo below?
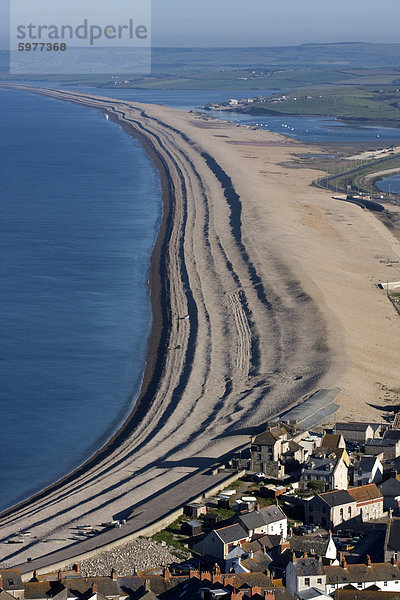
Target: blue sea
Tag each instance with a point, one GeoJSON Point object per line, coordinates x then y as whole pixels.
{"type": "Point", "coordinates": [80, 207]}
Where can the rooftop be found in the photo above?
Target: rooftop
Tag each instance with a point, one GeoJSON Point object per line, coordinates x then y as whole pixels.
{"type": "Point", "coordinates": [363, 493]}
{"type": "Point", "coordinates": [362, 573]}
{"type": "Point", "coordinates": [11, 579]}
{"type": "Point", "coordinates": [231, 533]}
{"type": "Point", "coordinates": [252, 520]}
{"type": "Point", "coordinates": [336, 498]}
{"type": "Point", "coordinates": [353, 426]}
{"type": "Point", "coordinates": [390, 487]}
{"type": "Point", "coordinates": [331, 440]}
{"type": "Point", "coordinates": [366, 463]}
{"type": "Point", "coordinates": [272, 514]}
{"type": "Point", "coordinates": [320, 465]}
{"type": "Point", "coordinates": [305, 567]}
{"type": "Point", "coordinates": [393, 535]}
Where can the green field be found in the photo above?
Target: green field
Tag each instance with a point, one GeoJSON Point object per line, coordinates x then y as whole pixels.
{"type": "Point", "coordinates": [351, 102]}
{"type": "Point", "coordinates": [284, 68]}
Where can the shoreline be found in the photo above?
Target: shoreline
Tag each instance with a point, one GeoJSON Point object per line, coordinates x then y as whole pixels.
{"type": "Point", "coordinates": [268, 276]}
{"type": "Point", "coordinates": [160, 318]}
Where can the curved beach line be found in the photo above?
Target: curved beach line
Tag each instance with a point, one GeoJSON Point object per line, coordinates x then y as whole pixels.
{"type": "Point", "coordinates": [209, 378]}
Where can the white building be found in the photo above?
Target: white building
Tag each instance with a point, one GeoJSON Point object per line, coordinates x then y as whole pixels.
{"type": "Point", "coordinates": [368, 469]}
{"type": "Point", "coordinates": [303, 574]}
{"type": "Point", "coordinates": [270, 521]}
{"type": "Point", "coordinates": [386, 576]}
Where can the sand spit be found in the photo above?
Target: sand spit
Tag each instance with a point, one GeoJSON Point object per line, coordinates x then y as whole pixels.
{"type": "Point", "coordinates": [278, 282]}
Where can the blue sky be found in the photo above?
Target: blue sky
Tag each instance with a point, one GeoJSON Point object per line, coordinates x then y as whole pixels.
{"type": "Point", "coordinates": [262, 22]}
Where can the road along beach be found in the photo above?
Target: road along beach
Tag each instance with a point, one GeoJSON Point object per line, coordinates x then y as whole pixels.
{"type": "Point", "coordinates": [263, 290]}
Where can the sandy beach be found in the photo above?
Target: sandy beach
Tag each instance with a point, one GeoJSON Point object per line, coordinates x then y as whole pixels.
{"type": "Point", "coordinates": [264, 289]}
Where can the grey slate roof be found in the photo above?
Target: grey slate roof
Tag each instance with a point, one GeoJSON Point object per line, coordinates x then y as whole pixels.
{"type": "Point", "coordinates": [272, 514]}
{"type": "Point", "coordinates": [320, 466]}
{"type": "Point", "coordinates": [306, 544]}
{"type": "Point", "coordinates": [252, 520]}
{"type": "Point", "coordinates": [232, 533]}
{"type": "Point", "coordinates": [366, 464]}
{"type": "Point", "coordinates": [391, 487]}
{"type": "Point", "coordinates": [393, 535]}
{"type": "Point", "coordinates": [306, 567]}
{"type": "Point", "coordinates": [336, 498]}
{"type": "Point", "coordinates": [355, 426]}
{"type": "Point", "coordinates": [361, 573]}
{"type": "Point", "coordinates": [194, 523]}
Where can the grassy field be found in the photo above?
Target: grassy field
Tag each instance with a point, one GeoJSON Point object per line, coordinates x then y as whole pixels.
{"type": "Point", "coordinates": [347, 102]}
{"type": "Point", "coordinates": [282, 68]}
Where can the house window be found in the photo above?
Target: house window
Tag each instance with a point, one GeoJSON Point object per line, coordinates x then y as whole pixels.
{"type": "Point", "coordinates": [319, 580]}
{"type": "Point", "coordinates": [307, 581]}
{"type": "Point", "coordinates": [349, 511]}
{"type": "Point", "coordinates": [341, 514]}
{"type": "Point", "coordinates": [385, 583]}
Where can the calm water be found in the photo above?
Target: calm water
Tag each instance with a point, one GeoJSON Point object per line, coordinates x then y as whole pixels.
{"type": "Point", "coordinates": [389, 184]}
{"type": "Point", "coordinates": [306, 129]}
{"type": "Point", "coordinates": [315, 129]}
{"type": "Point", "coordinates": [79, 211]}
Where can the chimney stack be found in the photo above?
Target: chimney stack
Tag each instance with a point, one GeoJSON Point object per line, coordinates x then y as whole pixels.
{"type": "Point", "coordinates": [343, 562]}
{"type": "Point", "coordinates": [369, 563]}
{"type": "Point", "coordinates": [114, 574]}
{"type": "Point", "coordinates": [76, 568]}
{"type": "Point", "coordinates": [217, 569]}
{"type": "Point", "coordinates": [94, 587]}
{"type": "Point", "coordinates": [1, 582]}
{"type": "Point", "coordinates": [255, 590]}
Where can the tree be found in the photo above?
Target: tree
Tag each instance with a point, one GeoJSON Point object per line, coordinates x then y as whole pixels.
{"type": "Point", "coordinates": [316, 486]}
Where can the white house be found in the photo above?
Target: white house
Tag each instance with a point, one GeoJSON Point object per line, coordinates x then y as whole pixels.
{"type": "Point", "coordinates": [270, 521]}
{"type": "Point", "coordinates": [368, 469]}
{"type": "Point", "coordinates": [386, 576]}
{"type": "Point", "coordinates": [233, 560]}
{"type": "Point", "coordinates": [220, 542]}
{"type": "Point", "coordinates": [303, 574]}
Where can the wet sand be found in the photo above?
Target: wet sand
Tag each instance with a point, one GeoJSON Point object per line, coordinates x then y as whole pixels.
{"type": "Point", "coordinates": [278, 284]}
